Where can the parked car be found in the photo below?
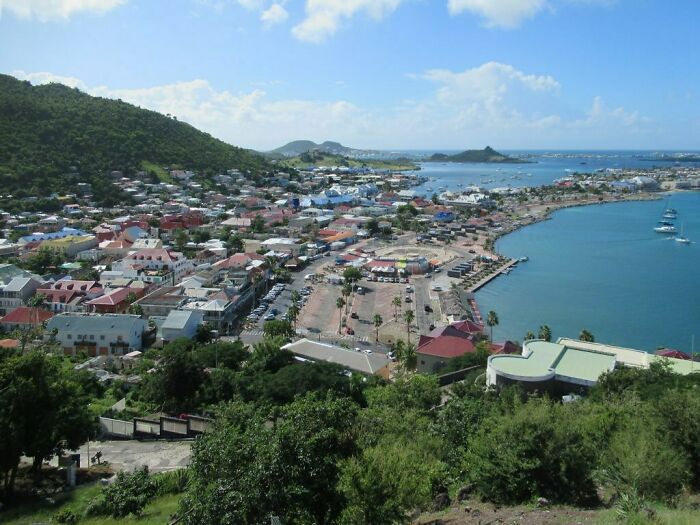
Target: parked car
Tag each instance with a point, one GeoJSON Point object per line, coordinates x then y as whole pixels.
{"type": "Point", "coordinates": [367, 351]}
{"type": "Point", "coordinates": [269, 317]}
{"type": "Point", "coordinates": [427, 308]}
{"type": "Point", "coordinates": [349, 330]}
{"type": "Point", "coordinates": [408, 299]}
{"type": "Point", "coordinates": [354, 315]}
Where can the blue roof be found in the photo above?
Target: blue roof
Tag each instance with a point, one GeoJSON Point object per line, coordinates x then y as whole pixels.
{"type": "Point", "coordinates": [61, 234]}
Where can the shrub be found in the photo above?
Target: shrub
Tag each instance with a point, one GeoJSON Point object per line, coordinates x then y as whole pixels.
{"type": "Point", "coordinates": [66, 516]}
{"type": "Point", "coordinates": [129, 494]}
{"type": "Point", "coordinates": [173, 482]}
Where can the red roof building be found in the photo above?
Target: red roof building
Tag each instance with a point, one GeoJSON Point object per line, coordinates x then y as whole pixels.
{"type": "Point", "coordinates": [24, 318]}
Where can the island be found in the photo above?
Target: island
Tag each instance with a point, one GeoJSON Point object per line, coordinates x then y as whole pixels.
{"type": "Point", "coordinates": [486, 155]}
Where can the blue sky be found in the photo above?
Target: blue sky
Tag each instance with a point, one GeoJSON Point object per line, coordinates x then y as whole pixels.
{"type": "Point", "coordinates": [514, 74]}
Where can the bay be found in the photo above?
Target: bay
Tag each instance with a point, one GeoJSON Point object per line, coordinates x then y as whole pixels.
{"type": "Point", "coordinates": [604, 269]}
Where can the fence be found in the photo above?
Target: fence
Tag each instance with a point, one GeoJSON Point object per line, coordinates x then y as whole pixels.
{"type": "Point", "coordinates": [117, 428]}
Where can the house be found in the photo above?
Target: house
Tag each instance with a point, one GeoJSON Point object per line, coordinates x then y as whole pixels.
{"type": "Point", "coordinates": [16, 293]}
{"type": "Point", "coordinates": [110, 334]}
{"type": "Point", "coordinates": [180, 323]}
{"type": "Point", "coordinates": [67, 295]}
{"type": "Point", "coordinates": [370, 364]}
{"type": "Point", "coordinates": [25, 318]}
{"type": "Point", "coordinates": [114, 301]}
{"type": "Point", "coordinates": [155, 265]}
{"type": "Point", "coordinates": [445, 343]}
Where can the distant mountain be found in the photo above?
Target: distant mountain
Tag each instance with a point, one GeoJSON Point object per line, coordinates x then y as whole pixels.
{"type": "Point", "coordinates": [299, 147]}
{"type": "Point", "coordinates": [52, 136]}
{"type": "Point", "coordinates": [488, 154]}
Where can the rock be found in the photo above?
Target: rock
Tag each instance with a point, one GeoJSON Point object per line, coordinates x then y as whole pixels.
{"type": "Point", "coordinates": [441, 501]}
{"type": "Point", "coordinates": [464, 492]}
{"type": "Point", "coordinates": [543, 502]}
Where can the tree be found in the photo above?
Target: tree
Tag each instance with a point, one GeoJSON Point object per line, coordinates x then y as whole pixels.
{"type": "Point", "coordinates": [408, 318]}
{"type": "Point", "coordinates": [377, 321]}
{"type": "Point", "coordinates": [257, 278]}
{"type": "Point", "coordinates": [38, 300]}
{"type": "Point", "coordinates": [347, 292]}
{"type": "Point", "coordinates": [372, 227]}
{"type": "Point", "coordinates": [545, 333]}
{"type": "Point", "coordinates": [530, 335]}
{"type": "Point", "coordinates": [181, 238]}
{"type": "Point", "coordinates": [268, 355]}
{"type": "Point", "coordinates": [44, 260]}
{"type": "Point", "coordinates": [339, 305]}
{"type": "Point", "coordinates": [586, 336]}
{"type": "Point", "coordinates": [235, 243]}
{"type": "Point", "coordinates": [396, 302]}
{"type": "Point", "coordinates": [257, 225]}
{"type": "Point", "coordinates": [491, 321]}
{"type": "Point", "coordinates": [247, 469]}
{"type": "Point", "coordinates": [43, 411]}
{"type": "Point", "coordinates": [295, 296]}
{"type": "Point", "coordinates": [293, 315]}
{"type": "Point", "coordinates": [204, 333]}
{"type": "Point", "coordinates": [278, 328]}
{"type": "Point", "coordinates": [405, 354]}
{"type": "Point", "coordinates": [174, 386]}
{"type": "Point", "coordinates": [352, 275]}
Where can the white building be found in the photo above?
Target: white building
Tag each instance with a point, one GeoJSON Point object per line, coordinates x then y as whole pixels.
{"type": "Point", "coordinates": [109, 334]}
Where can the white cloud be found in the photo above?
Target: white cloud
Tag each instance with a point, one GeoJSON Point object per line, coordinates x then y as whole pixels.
{"type": "Point", "coordinates": [323, 17]}
{"type": "Point", "coordinates": [251, 5]}
{"type": "Point", "coordinates": [493, 103]}
{"type": "Point", "coordinates": [44, 77]}
{"type": "Point", "coordinates": [275, 14]}
{"type": "Point", "coordinates": [498, 13]}
{"type": "Point", "coordinates": [45, 10]}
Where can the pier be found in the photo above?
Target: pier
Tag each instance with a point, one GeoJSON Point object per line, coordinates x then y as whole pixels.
{"type": "Point", "coordinates": [490, 277]}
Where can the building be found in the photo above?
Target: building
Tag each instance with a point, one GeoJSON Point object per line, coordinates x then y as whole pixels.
{"type": "Point", "coordinates": [307, 350]}
{"type": "Point", "coordinates": [156, 265]}
{"type": "Point", "coordinates": [180, 323]}
{"type": "Point", "coordinates": [25, 318]}
{"type": "Point", "coordinates": [568, 364]}
{"type": "Point", "coordinates": [445, 343]}
{"type": "Point", "coordinates": [110, 334]}
{"type": "Point", "coordinates": [16, 293]}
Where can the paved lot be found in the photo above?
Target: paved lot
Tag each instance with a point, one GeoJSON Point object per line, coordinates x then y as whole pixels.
{"type": "Point", "coordinates": [159, 456]}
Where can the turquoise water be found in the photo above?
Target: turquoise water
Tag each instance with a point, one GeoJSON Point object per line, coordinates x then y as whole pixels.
{"type": "Point", "coordinates": [543, 170]}
{"type": "Point", "coordinates": [604, 269]}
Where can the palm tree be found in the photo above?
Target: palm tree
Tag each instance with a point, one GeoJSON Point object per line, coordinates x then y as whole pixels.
{"type": "Point", "coordinates": [292, 315]}
{"type": "Point", "coordinates": [339, 305]}
{"type": "Point", "coordinates": [406, 355]}
{"type": "Point", "coordinates": [408, 317]}
{"type": "Point", "coordinates": [491, 321]}
{"type": "Point", "coordinates": [545, 333]}
{"type": "Point", "coordinates": [530, 335]}
{"type": "Point", "coordinates": [347, 292]}
{"type": "Point", "coordinates": [586, 336]}
{"type": "Point", "coordinates": [296, 296]}
{"type": "Point", "coordinates": [397, 304]}
{"type": "Point", "coordinates": [377, 320]}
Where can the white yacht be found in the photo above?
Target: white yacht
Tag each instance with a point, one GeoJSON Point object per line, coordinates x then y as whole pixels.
{"type": "Point", "coordinates": [681, 238]}
{"type": "Point", "coordinates": [665, 227]}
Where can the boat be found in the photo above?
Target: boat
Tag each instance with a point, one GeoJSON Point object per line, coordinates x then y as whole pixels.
{"type": "Point", "coordinates": [665, 228]}
{"type": "Point", "coordinates": [524, 259]}
{"type": "Point", "coordinates": [681, 238]}
{"type": "Point", "coordinates": [670, 213]}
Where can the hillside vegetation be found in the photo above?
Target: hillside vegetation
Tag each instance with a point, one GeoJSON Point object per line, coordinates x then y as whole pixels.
{"type": "Point", "coordinates": [52, 136]}
{"type": "Point", "coordinates": [488, 155]}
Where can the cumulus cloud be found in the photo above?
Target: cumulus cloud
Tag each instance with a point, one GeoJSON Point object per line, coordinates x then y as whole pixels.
{"type": "Point", "coordinates": [273, 15]}
{"type": "Point", "coordinates": [324, 17]}
{"type": "Point", "coordinates": [46, 10]}
{"type": "Point", "coordinates": [493, 103]}
{"type": "Point", "coordinates": [498, 13]}
{"type": "Point", "coordinates": [44, 77]}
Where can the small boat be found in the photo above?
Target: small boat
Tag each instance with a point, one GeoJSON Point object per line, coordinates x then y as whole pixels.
{"type": "Point", "coordinates": [665, 228]}
{"type": "Point", "coordinates": [681, 238]}
{"type": "Point", "coordinates": [670, 214]}
{"type": "Point", "coordinates": [524, 259]}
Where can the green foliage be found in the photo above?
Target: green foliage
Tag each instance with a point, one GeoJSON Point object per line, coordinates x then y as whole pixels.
{"type": "Point", "coordinates": [278, 328]}
{"type": "Point", "coordinates": [67, 516]}
{"type": "Point", "coordinates": [172, 482]}
{"type": "Point", "coordinates": [128, 494]}
{"type": "Point", "coordinates": [52, 137]}
{"type": "Point", "coordinates": [253, 465]}
{"type": "Point", "coordinates": [44, 260]}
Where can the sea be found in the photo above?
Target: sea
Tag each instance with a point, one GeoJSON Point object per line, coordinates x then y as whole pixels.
{"type": "Point", "coordinates": [601, 268]}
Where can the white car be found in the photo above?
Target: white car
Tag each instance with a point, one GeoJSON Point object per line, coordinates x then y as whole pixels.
{"type": "Point", "coordinates": [367, 351]}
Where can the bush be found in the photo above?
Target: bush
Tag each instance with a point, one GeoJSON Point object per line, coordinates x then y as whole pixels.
{"type": "Point", "coordinates": [65, 516]}
{"type": "Point", "coordinates": [129, 494]}
{"type": "Point", "coordinates": [641, 461]}
{"type": "Point", "coordinates": [173, 482]}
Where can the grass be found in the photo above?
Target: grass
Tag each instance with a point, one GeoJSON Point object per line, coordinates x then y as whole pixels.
{"type": "Point", "coordinates": [162, 175]}
{"type": "Point", "coordinates": [663, 516]}
{"type": "Point", "coordinates": [158, 512]}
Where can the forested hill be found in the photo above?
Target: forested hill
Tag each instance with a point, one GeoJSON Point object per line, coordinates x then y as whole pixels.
{"type": "Point", "coordinates": [52, 136]}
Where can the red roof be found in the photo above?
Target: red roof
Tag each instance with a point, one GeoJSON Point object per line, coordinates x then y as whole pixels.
{"type": "Point", "coordinates": [673, 354]}
{"type": "Point", "coordinates": [447, 346]}
{"type": "Point", "coordinates": [116, 297]}
{"type": "Point", "coordinates": [27, 315]}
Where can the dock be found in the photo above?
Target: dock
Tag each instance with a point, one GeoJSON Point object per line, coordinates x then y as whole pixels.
{"type": "Point", "coordinates": [473, 288]}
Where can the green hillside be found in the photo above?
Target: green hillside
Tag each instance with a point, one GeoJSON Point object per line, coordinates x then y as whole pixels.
{"type": "Point", "coordinates": [52, 136]}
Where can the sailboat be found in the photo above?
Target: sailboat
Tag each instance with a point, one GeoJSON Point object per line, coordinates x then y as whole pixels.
{"type": "Point", "coordinates": [681, 238]}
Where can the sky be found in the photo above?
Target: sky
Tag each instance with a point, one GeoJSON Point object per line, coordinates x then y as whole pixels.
{"type": "Point", "coordinates": [382, 74]}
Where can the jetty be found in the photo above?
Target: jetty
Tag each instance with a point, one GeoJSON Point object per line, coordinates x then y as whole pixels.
{"type": "Point", "coordinates": [491, 276]}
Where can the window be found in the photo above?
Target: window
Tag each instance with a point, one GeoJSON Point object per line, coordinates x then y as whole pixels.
{"type": "Point", "coordinates": [92, 337]}
{"type": "Point", "coordinates": [102, 337]}
{"type": "Point", "coordinates": [69, 336]}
